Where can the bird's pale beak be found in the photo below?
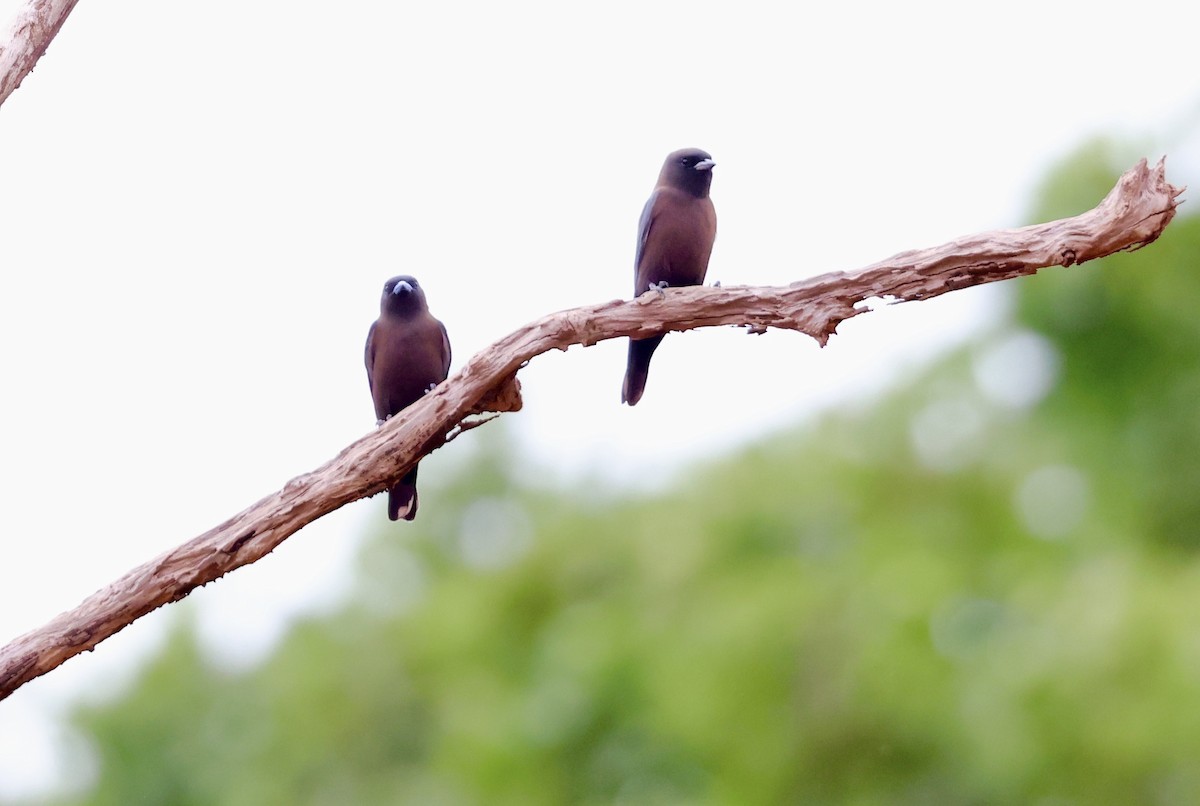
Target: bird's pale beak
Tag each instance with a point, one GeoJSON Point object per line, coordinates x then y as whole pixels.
{"type": "Point", "coordinates": [705, 165]}
{"type": "Point", "coordinates": [402, 287]}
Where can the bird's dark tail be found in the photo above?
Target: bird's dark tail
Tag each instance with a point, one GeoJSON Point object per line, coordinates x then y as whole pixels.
{"type": "Point", "coordinates": [637, 369]}
{"type": "Point", "coordinates": [402, 499]}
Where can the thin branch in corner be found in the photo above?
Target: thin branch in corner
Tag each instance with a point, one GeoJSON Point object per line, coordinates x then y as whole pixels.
{"type": "Point", "coordinates": [1131, 216]}
{"type": "Point", "coordinates": [31, 32]}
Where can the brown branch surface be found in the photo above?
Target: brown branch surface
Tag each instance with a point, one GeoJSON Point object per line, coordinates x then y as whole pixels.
{"type": "Point", "coordinates": [1133, 215]}
{"type": "Point", "coordinates": [30, 35]}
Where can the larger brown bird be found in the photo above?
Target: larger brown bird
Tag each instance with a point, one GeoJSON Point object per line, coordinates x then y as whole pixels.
{"type": "Point", "coordinates": [408, 353]}
{"type": "Point", "coordinates": [675, 238]}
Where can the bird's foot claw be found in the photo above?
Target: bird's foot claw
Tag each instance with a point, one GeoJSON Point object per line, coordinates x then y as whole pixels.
{"type": "Point", "coordinates": [659, 287]}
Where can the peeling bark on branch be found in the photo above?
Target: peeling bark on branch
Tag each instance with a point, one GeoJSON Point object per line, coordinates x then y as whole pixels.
{"type": "Point", "coordinates": [30, 35]}
{"type": "Point", "coordinates": [1133, 215]}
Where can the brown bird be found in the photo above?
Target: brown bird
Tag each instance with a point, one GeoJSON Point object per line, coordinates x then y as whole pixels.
{"type": "Point", "coordinates": [408, 353]}
{"type": "Point", "coordinates": [675, 237]}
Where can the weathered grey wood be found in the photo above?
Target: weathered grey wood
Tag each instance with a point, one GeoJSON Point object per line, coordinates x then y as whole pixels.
{"type": "Point", "coordinates": [29, 36]}
{"type": "Point", "coordinates": [1133, 215]}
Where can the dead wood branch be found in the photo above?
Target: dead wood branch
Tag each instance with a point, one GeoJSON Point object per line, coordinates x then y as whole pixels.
{"type": "Point", "coordinates": [1133, 215]}
{"type": "Point", "coordinates": [30, 35]}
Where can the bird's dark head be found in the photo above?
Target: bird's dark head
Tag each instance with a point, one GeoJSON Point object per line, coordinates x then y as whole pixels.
{"type": "Point", "coordinates": [402, 294]}
{"type": "Point", "coordinates": [688, 169]}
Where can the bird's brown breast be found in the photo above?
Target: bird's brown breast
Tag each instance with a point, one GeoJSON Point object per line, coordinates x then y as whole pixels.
{"type": "Point", "coordinates": [409, 356]}
{"type": "Point", "coordinates": [679, 242]}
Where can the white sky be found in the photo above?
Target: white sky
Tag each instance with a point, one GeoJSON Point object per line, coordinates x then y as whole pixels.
{"type": "Point", "coordinates": [199, 205]}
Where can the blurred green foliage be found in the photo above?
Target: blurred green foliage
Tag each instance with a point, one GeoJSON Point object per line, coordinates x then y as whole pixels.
{"type": "Point", "coordinates": [983, 589]}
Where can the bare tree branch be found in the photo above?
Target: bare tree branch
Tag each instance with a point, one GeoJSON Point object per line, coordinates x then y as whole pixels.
{"type": "Point", "coordinates": [31, 32]}
{"type": "Point", "coordinates": [1133, 215]}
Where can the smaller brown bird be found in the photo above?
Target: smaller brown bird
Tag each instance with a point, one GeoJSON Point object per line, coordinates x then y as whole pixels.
{"type": "Point", "coordinates": [408, 353]}
{"type": "Point", "coordinates": [675, 238]}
